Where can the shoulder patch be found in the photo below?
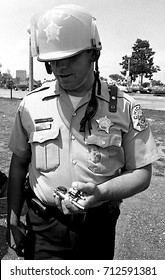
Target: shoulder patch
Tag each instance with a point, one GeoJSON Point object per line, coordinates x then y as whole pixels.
{"type": "Point", "coordinates": [138, 118]}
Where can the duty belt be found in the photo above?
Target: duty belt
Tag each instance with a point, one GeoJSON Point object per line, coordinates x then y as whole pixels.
{"type": "Point", "coordinates": [75, 221]}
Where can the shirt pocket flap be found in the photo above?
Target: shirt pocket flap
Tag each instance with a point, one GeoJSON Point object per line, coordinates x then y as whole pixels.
{"type": "Point", "coordinates": [104, 141]}
{"type": "Point", "coordinates": [42, 136]}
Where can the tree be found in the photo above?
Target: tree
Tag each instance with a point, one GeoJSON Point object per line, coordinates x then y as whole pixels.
{"type": "Point", "coordinates": [157, 83]}
{"type": "Point", "coordinates": [141, 61]}
{"type": "Point", "coordinates": [5, 78]}
{"type": "Point", "coordinates": [116, 77]}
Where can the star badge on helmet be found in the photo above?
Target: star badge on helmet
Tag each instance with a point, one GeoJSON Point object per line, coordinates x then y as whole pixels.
{"type": "Point", "coordinates": [104, 124]}
{"type": "Point", "coordinates": [53, 31]}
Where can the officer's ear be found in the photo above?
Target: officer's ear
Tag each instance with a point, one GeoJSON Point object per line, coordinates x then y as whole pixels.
{"type": "Point", "coordinates": [95, 54]}
{"type": "Point", "coordinates": [48, 68]}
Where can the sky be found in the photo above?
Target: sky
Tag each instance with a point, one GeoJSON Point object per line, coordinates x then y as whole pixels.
{"type": "Point", "coordinates": [120, 24]}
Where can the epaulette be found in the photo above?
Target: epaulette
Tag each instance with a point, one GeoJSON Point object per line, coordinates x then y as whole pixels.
{"type": "Point", "coordinates": [38, 89]}
{"type": "Point", "coordinates": [113, 99]}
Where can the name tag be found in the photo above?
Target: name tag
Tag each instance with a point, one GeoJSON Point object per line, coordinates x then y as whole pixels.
{"type": "Point", "coordinates": [43, 123]}
{"type": "Point", "coordinates": [43, 126]}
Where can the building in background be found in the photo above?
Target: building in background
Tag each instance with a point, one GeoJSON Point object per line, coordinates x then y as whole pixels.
{"type": "Point", "coordinates": [20, 76]}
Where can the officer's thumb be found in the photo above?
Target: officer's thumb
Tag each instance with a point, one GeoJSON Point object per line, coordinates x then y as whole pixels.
{"type": "Point", "coordinates": [84, 187]}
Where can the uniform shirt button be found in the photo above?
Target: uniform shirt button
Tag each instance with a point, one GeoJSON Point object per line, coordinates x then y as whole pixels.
{"type": "Point", "coordinates": [74, 161]}
{"type": "Point", "coordinates": [74, 114]}
{"type": "Point", "coordinates": [73, 137]}
{"type": "Point", "coordinates": [103, 142]}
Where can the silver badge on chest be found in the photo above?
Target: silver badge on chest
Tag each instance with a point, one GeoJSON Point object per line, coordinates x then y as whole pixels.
{"type": "Point", "coordinates": [104, 124]}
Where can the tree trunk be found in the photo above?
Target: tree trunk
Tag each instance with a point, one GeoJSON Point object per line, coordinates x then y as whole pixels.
{"type": "Point", "coordinates": [141, 79]}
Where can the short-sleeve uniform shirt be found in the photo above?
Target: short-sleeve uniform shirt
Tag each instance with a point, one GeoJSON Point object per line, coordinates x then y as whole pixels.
{"type": "Point", "coordinates": [47, 130]}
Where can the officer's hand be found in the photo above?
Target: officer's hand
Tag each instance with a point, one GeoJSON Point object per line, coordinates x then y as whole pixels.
{"type": "Point", "coordinates": [91, 198]}
{"type": "Point", "coordinates": [16, 237]}
{"type": "Point", "coordinates": [87, 188]}
{"type": "Point", "coordinates": [58, 202]}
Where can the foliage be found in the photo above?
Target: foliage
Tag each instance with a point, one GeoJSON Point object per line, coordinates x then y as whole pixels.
{"type": "Point", "coordinates": [146, 84]}
{"type": "Point", "coordinates": [141, 63]}
{"type": "Point", "coordinates": [5, 79]}
{"type": "Point", "coordinates": [157, 83]}
{"type": "Point", "coordinates": [116, 77]}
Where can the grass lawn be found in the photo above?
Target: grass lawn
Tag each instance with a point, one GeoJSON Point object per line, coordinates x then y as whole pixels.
{"type": "Point", "coordinates": [8, 109]}
{"type": "Point", "coordinates": [142, 216]}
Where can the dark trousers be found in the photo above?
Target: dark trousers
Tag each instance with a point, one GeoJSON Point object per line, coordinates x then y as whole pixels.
{"type": "Point", "coordinates": [89, 236]}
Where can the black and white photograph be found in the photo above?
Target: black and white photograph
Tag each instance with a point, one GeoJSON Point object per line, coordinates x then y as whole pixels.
{"type": "Point", "coordinates": [82, 142]}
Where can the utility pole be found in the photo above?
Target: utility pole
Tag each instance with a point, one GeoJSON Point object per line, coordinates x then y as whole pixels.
{"type": "Point", "coordinates": [11, 87]}
{"type": "Point", "coordinates": [30, 67]}
{"type": "Point", "coordinates": [30, 63]}
{"type": "Point", "coordinates": [129, 55]}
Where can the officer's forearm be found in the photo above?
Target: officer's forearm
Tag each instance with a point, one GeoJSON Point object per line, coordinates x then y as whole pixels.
{"type": "Point", "coordinates": [128, 184]}
{"type": "Point", "coordinates": [17, 174]}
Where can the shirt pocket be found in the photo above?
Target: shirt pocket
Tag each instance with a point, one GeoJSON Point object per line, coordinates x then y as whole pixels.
{"type": "Point", "coordinates": [45, 149]}
{"type": "Point", "coordinates": [105, 153]}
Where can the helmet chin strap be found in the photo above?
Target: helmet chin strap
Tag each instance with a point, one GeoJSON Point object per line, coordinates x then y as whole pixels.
{"type": "Point", "coordinates": [92, 104]}
{"type": "Point", "coordinates": [97, 78]}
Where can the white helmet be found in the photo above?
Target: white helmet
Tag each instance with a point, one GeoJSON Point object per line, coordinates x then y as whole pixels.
{"type": "Point", "coordinates": [62, 32]}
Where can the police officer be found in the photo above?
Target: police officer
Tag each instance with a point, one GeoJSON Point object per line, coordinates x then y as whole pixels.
{"type": "Point", "coordinates": [84, 146]}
